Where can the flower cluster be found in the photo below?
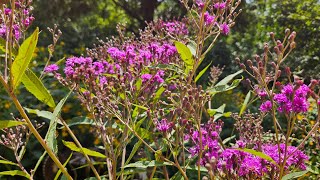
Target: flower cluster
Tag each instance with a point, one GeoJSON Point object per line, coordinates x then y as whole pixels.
{"type": "Point", "coordinates": [213, 16]}
{"type": "Point", "coordinates": [22, 19]}
{"type": "Point", "coordinates": [176, 28]}
{"type": "Point", "coordinates": [291, 99]}
{"type": "Point", "coordinates": [164, 125]}
{"type": "Point", "coordinates": [236, 163]}
{"type": "Point", "coordinates": [210, 141]}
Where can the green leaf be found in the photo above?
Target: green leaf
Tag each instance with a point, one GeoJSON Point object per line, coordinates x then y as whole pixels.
{"type": "Point", "coordinates": [51, 134]}
{"type": "Point", "coordinates": [226, 140]}
{"type": "Point", "coordinates": [202, 72]}
{"type": "Point", "coordinates": [195, 168]}
{"type": "Point", "coordinates": [15, 173]}
{"type": "Point", "coordinates": [223, 88]}
{"type": "Point", "coordinates": [227, 79]}
{"type": "Point", "coordinates": [185, 55]}
{"type": "Point", "coordinates": [8, 162]}
{"type": "Point", "coordinates": [159, 93]}
{"type": "Point", "coordinates": [133, 151]}
{"type": "Point", "coordinates": [141, 107]}
{"type": "Point", "coordinates": [10, 123]}
{"type": "Point", "coordinates": [294, 175]}
{"type": "Point", "coordinates": [64, 165]}
{"type": "Point", "coordinates": [60, 61]}
{"type": "Point", "coordinates": [220, 109]}
{"type": "Point", "coordinates": [245, 103]}
{"type": "Point", "coordinates": [22, 60]}
{"type": "Point", "coordinates": [146, 164]}
{"type": "Point", "coordinates": [259, 154]}
{"type": "Point", "coordinates": [192, 47]}
{"type": "Point", "coordinates": [44, 114]}
{"type": "Point", "coordinates": [313, 169]}
{"type": "Point", "coordinates": [86, 151]}
{"type": "Point", "coordinates": [80, 121]}
{"type": "Point", "coordinates": [36, 87]}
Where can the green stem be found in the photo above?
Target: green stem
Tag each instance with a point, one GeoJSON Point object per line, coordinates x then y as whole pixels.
{"type": "Point", "coordinates": [79, 145]}
{"type": "Point", "coordinates": [33, 129]}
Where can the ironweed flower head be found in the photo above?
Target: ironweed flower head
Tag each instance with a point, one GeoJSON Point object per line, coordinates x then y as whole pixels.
{"type": "Point", "coordinates": [164, 125]}
{"type": "Point", "coordinates": [224, 28]}
{"type": "Point", "coordinates": [51, 68]}
{"type": "Point", "coordinates": [290, 100]}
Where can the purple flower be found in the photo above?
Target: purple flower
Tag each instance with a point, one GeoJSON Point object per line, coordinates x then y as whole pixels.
{"type": "Point", "coordinates": [7, 11]}
{"type": "Point", "coordinates": [16, 29]}
{"type": "Point", "coordinates": [266, 106]}
{"type": "Point", "coordinates": [51, 68]}
{"type": "Point", "coordinates": [224, 28]}
{"type": "Point", "coordinates": [296, 159]}
{"type": "Point", "coordinates": [26, 12]}
{"type": "Point", "coordinates": [68, 71]}
{"type": "Point", "coordinates": [261, 93]}
{"type": "Point", "coordinates": [164, 126]}
{"type": "Point", "coordinates": [302, 91]}
{"type": "Point", "coordinates": [98, 68]}
{"type": "Point", "coordinates": [287, 90]}
{"type": "Point", "coordinates": [3, 31]}
{"type": "Point", "coordinates": [146, 77]}
{"type": "Point", "coordinates": [221, 5]}
{"type": "Point", "coordinates": [300, 104]}
{"type": "Point", "coordinates": [208, 19]}
{"type": "Point", "coordinates": [283, 102]}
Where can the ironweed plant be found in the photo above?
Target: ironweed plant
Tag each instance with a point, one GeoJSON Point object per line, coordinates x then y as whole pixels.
{"type": "Point", "coordinates": [145, 107]}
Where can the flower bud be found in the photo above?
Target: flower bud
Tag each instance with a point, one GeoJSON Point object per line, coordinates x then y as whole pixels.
{"type": "Point", "coordinates": [292, 45]}
{"type": "Point", "coordinates": [287, 32]}
{"type": "Point", "coordinates": [276, 49]}
{"type": "Point", "coordinates": [266, 48]}
{"type": "Point", "coordinates": [271, 35]}
{"type": "Point", "coordinates": [249, 62]}
{"type": "Point", "coordinates": [279, 73]}
{"type": "Point", "coordinates": [242, 66]}
{"type": "Point", "coordinates": [288, 71]}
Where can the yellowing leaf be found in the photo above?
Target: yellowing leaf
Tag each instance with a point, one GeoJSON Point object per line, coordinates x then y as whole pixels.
{"type": "Point", "coordinates": [10, 123]}
{"type": "Point", "coordinates": [86, 151]}
{"type": "Point", "coordinates": [22, 60]}
{"type": "Point", "coordinates": [36, 87]}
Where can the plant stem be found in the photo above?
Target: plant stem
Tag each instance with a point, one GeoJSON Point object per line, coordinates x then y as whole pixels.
{"type": "Point", "coordinates": [79, 145]}
{"type": "Point", "coordinates": [33, 129]}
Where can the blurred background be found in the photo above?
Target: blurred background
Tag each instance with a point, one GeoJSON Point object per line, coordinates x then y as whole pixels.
{"type": "Point", "coordinates": [83, 22]}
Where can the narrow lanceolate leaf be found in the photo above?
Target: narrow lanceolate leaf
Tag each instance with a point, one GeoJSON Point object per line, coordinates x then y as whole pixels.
{"type": "Point", "coordinates": [39, 113]}
{"type": "Point", "coordinates": [202, 72]}
{"type": "Point", "coordinates": [51, 134]}
{"type": "Point", "coordinates": [259, 154]}
{"type": "Point", "coordinates": [245, 103]}
{"type": "Point", "coordinates": [294, 175]}
{"type": "Point", "coordinates": [22, 60]}
{"type": "Point", "coordinates": [223, 88]}
{"type": "Point", "coordinates": [10, 123]}
{"type": "Point", "coordinates": [227, 79]}
{"type": "Point", "coordinates": [8, 162]}
{"type": "Point", "coordinates": [36, 87]}
{"type": "Point", "coordinates": [86, 151]}
{"type": "Point", "coordinates": [64, 165]}
{"type": "Point", "coordinates": [81, 120]}
{"type": "Point", "coordinates": [146, 164]}
{"type": "Point", "coordinates": [15, 173]}
{"type": "Point", "coordinates": [185, 55]}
